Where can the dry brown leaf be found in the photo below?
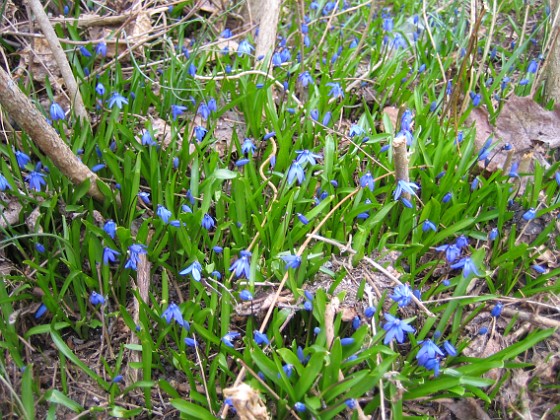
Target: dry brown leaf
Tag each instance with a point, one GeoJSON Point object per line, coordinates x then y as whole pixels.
{"type": "Point", "coordinates": [524, 124]}
{"type": "Point", "coordinates": [393, 113]}
{"type": "Point", "coordinates": [466, 409]}
{"type": "Point", "coordinates": [40, 62]}
{"type": "Point", "coordinates": [247, 402]}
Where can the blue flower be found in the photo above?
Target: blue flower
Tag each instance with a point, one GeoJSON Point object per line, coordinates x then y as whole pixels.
{"type": "Point", "coordinates": [229, 337]}
{"type": "Point", "coordinates": [475, 98]}
{"type": "Point", "coordinates": [100, 89]}
{"type": "Point", "coordinates": [288, 370]}
{"type": "Point", "coordinates": [468, 267]}
{"type": "Point", "coordinates": [200, 132]}
{"type": "Point", "coordinates": [242, 162]}
{"type": "Point", "coordinates": [117, 379]}
{"type": "Point", "coordinates": [307, 156]}
{"type": "Point", "coordinates": [203, 111]}
{"type": "Point", "coordinates": [305, 79]}
{"type": "Point", "coordinates": [245, 295]}
{"type": "Point", "coordinates": [461, 242]}
{"type": "Point", "coordinates": [109, 255]}
{"type": "Point", "coordinates": [163, 213]}
{"type": "Point", "coordinates": [404, 186]}
{"type": "Point", "coordinates": [177, 110]}
{"type": "Point", "coordinates": [493, 234]}
{"type": "Point", "coordinates": [538, 268]}
{"type": "Point", "coordinates": [98, 167]}
{"type": "Point", "coordinates": [292, 261]}
{"type": "Point", "coordinates": [395, 329]}
{"type": "Point", "coordinates": [226, 33]}
{"type": "Point", "coordinates": [260, 338]}
{"type": "Point", "coordinates": [369, 312]}
{"type": "Point", "coordinates": [557, 177]}
{"type": "Point", "coordinates": [302, 218]}
{"type": "Point", "coordinates": [134, 252]}
{"type": "Point", "coordinates": [428, 351]}
{"type": "Point", "coordinates": [350, 403]}
{"type": "Point", "coordinates": [428, 225]}
{"type": "Point", "coordinates": [218, 249]}
{"type": "Point", "coordinates": [433, 364]}
{"type": "Point", "coordinates": [190, 342]}
{"type": "Point", "coordinates": [207, 222]}
{"type": "Point", "coordinates": [296, 172]}
{"type": "Point", "coordinates": [300, 407]}
{"type": "Point", "coordinates": [367, 181]}
{"type": "Point", "coordinates": [402, 295]}
{"type": "Point", "coordinates": [4, 185]}
{"type": "Point", "coordinates": [85, 52]}
{"type": "Point", "coordinates": [406, 120]}
{"type": "Point", "coordinates": [244, 48]}
{"type": "Point", "coordinates": [22, 159]}
{"type": "Point", "coordinates": [101, 49]}
{"type": "Point", "coordinates": [36, 180]}
{"type": "Point", "coordinates": [530, 214]}
{"type": "Point", "coordinates": [40, 248]}
{"type": "Point", "coordinates": [248, 147]}
{"type": "Point", "coordinates": [497, 310]}
{"type": "Point", "coordinates": [147, 139]}
{"type": "Point", "coordinates": [242, 266]}
{"type": "Point", "coordinates": [347, 341]}
{"type": "Point", "coordinates": [96, 299]}
{"type": "Point", "coordinates": [308, 305]}
{"type": "Point", "coordinates": [117, 100]}
{"type": "Point", "coordinates": [387, 24]}
{"type": "Point", "coordinates": [144, 196]}
{"type": "Point", "coordinates": [447, 197]}
{"type": "Point", "coordinates": [449, 349]}
{"type": "Point", "coordinates": [195, 270]}
{"type": "Point", "coordinates": [336, 91]}
{"type": "Point", "coordinates": [327, 118]}
{"type": "Point", "coordinates": [57, 113]}
{"type": "Point", "coordinates": [532, 67]}
{"type": "Point", "coordinates": [173, 313]}
{"type": "Point", "coordinates": [269, 135]}
{"type": "Point", "coordinates": [41, 310]}
{"type": "Point", "coordinates": [192, 69]}
{"type": "Point", "coordinates": [356, 130]}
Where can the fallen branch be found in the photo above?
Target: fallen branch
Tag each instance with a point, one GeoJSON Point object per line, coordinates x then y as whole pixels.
{"type": "Point", "coordinates": [60, 58]}
{"type": "Point", "coordinates": [28, 117]}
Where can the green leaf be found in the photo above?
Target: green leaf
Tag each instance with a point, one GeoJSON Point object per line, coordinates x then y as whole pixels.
{"type": "Point", "coordinates": [193, 411]}
{"type": "Point", "coordinates": [57, 397]}
{"type": "Point", "coordinates": [225, 174]}
{"type": "Point", "coordinates": [310, 374]}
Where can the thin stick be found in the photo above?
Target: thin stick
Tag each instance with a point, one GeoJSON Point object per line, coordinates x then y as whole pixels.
{"type": "Point", "coordinates": [61, 60]}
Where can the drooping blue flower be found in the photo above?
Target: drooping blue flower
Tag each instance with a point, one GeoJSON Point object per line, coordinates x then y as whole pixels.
{"type": "Point", "coordinates": [296, 172]}
{"type": "Point", "coordinates": [369, 312]}
{"type": "Point", "coordinates": [406, 120]}
{"type": "Point", "coordinates": [244, 47]}
{"type": "Point", "coordinates": [302, 218]}
{"type": "Point", "coordinates": [468, 267]}
{"type": "Point", "coordinates": [447, 198]}
{"type": "Point", "coordinates": [41, 310]}
{"type": "Point", "coordinates": [84, 51]}
{"type": "Point", "coordinates": [163, 213]}
{"type": "Point", "coordinates": [134, 252]}
{"type": "Point", "coordinates": [229, 338]}
{"type": "Point", "coordinates": [177, 110]}
{"type": "Point", "coordinates": [428, 225]}
{"type": "Point", "coordinates": [200, 132]}
{"type": "Point", "coordinates": [367, 181]}
{"type": "Point", "coordinates": [245, 295]}
{"type": "Point", "coordinates": [292, 261]}
{"type": "Point", "coordinates": [173, 313]}
{"type": "Point", "coordinates": [98, 167]}
{"type": "Point", "coordinates": [483, 331]}
{"type": "Point", "coordinates": [350, 403]}
{"type": "Point", "coordinates": [242, 266]}
{"type": "Point", "coordinates": [195, 270]}
{"type": "Point", "coordinates": [356, 130]}
{"type": "Point", "coordinates": [96, 299]}
{"type": "Point", "coordinates": [269, 135]}
{"type": "Point", "coordinates": [388, 24]}
{"type": "Point", "coordinates": [22, 159]}
{"type": "Point", "coordinates": [144, 196]}
{"type": "Point", "coordinates": [208, 222]}
{"type": "Point", "coordinates": [429, 350]}
{"type": "Point", "coordinates": [242, 162]}
{"type": "Point", "coordinates": [40, 247]}
{"type": "Point", "coordinates": [356, 322]}
{"type": "Point", "coordinates": [288, 370]}
{"type": "Point", "coordinates": [533, 67]}
{"type": "Point", "coordinates": [402, 295]}
{"type": "Point", "coordinates": [433, 364]}
{"type": "Point", "coordinates": [327, 118]}
{"type": "Point", "coordinates": [226, 33]}
{"type": "Point", "coordinates": [449, 349]}
{"type": "Point", "coordinates": [475, 98]}
{"type": "Point", "coordinates": [117, 379]}
{"type": "Point", "coordinates": [336, 91]}
{"type": "Point", "coordinates": [100, 89]}
{"type": "Point", "coordinates": [395, 328]}
{"type": "Point", "coordinates": [300, 407]}
{"type": "Point", "coordinates": [462, 242]}
{"type": "Point", "coordinates": [347, 341]}
{"type": "Point", "coordinates": [260, 338]}
{"type": "Point", "coordinates": [190, 342]}
{"type": "Point", "coordinates": [307, 156]}
{"type": "Point", "coordinates": [101, 49]}
{"type": "Point", "coordinates": [36, 180]}
{"type": "Point", "coordinates": [493, 234]}
{"type": "Point", "coordinates": [305, 79]}
{"type": "Point", "coordinates": [497, 310]}
{"type": "Point", "coordinates": [530, 214]}
{"type": "Point", "coordinates": [147, 139]}
{"type": "Point", "coordinates": [56, 111]}
{"type": "Point", "coordinates": [117, 100]}
{"type": "Point", "coordinates": [109, 255]}
{"type": "Point", "coordinates": [404, 186]}
{"type": "Point", "coordinates": [248, 147]}
{"type": "Point", "coordinates": [203, 111]}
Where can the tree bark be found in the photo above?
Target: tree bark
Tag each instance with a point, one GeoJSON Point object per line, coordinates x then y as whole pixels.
{"type": "Point", "coordinates": [22, 110]}
{"type": "Point", "coordinates": [552, 67]}
{"type": "Point", "coordinates": [264, 13]}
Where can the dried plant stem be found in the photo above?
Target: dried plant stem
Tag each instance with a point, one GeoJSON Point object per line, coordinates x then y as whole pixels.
{"type": "Point", "coordinates": [22, 110]}
{"type": "Point", "coordinates": [61, 61]}
{"type": "Point", "coordinates": [400, 156]}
